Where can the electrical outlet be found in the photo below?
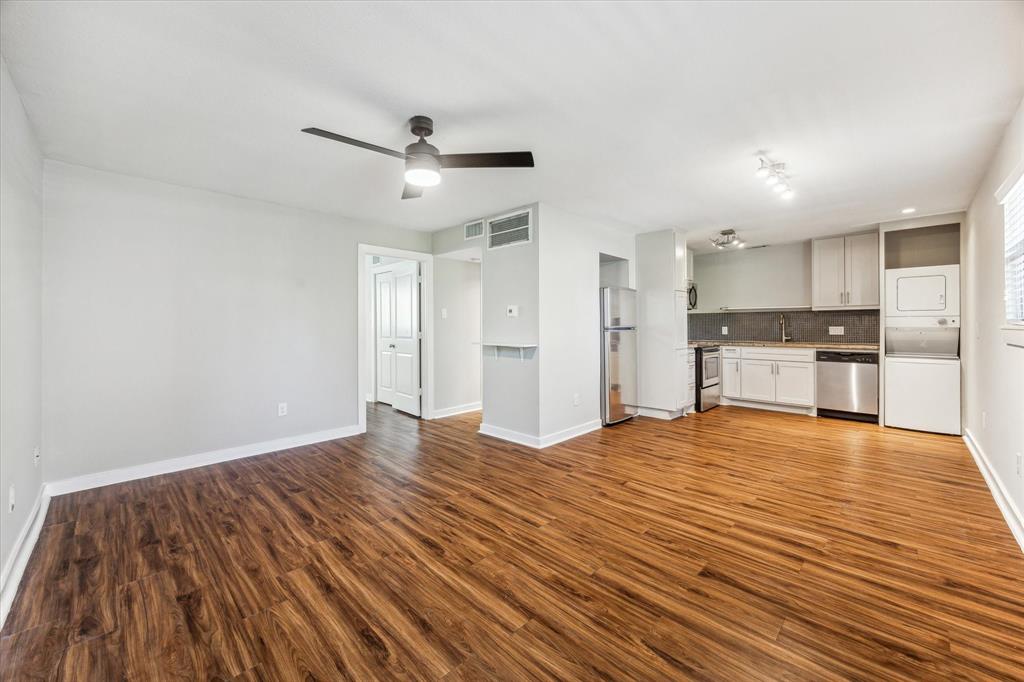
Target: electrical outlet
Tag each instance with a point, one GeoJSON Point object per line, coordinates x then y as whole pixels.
{"type": "Point", "coordinates": [444, 313]}
{"type": "Point", "coordinates": [10, 499]}
{"type": "Point", "coordinates": [282, 409]}
{"type": "Point", "coordinates": [725, 331]}
{"type": "Point", "coordinates": [35, 456]}
{"type": "Point", "coordinates": [984, 420]}
{"type": "Point", "coordinates": [1020, 466]}
{"type": "Point", "coordinates": [836, 331]}
{"type": "Point", "coordinates": [576, 399]}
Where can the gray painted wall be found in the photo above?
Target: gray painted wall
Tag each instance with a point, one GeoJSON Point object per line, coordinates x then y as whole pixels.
{"type": "Point", "coordinates": [769, 277]}
{"type": "Point", "coordinates": [993, 371]}
{"type": "Point", "coordinates": [510, 275]}
{"type": "Point", "coordinates": [21, 233]}
{"type": "Point", "coordinates": [457, 352]}
{"type": "Point", "coordinates": [175, 320]}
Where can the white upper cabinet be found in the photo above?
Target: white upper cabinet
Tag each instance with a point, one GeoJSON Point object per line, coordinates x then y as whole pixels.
{"type": "Point", "coordinates": [844, 272]}
{"type": "Point", "coordinates": [828, 272]}
{"type": "Point", "coordinates": [862, 270]}
{"type": "Point", "coordinates": [680, 271]}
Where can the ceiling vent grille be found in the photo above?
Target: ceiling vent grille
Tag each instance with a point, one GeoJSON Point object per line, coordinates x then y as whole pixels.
{"type": "Point", "coordinates": [474, 229]}
{"type": "Point", "coordinates": [508, 230]}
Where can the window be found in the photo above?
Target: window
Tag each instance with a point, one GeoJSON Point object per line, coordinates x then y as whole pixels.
{"type": "Point", "coordinates": [1013, 237]}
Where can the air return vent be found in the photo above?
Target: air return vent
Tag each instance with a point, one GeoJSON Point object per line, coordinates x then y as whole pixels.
{"type": "Point", "coordinates": [474, 229]}
{"type": "Point", "coordinates": [508, 230]}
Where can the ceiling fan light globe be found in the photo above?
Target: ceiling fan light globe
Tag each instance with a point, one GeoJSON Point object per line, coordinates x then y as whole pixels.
{"type": "Point", "coordinates": [771, 180]}
{"type": "Point", "coordinates": [422, 177]}
{"type": "Point", "coordinates": [778, 189]}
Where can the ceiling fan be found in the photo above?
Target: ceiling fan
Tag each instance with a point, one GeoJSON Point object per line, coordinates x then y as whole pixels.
{"type": "Point", "coordinates": [423, 161]}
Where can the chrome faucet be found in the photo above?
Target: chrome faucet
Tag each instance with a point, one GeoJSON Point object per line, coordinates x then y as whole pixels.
{"type": "Point", "coordinates": [782, 321]}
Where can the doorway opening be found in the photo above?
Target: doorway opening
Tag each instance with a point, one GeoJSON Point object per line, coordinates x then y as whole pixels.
{"type": "Point", "coordinates": [458, 355]}
{"type": "Point", "coordinates": [395, 331]}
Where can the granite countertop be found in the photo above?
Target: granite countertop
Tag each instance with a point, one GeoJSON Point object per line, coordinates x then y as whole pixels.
{"type": "Point", "coordinates": [788, 344]}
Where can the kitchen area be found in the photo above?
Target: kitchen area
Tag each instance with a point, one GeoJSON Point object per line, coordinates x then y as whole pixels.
{"type": "Point", "coordinates": [863, 325]}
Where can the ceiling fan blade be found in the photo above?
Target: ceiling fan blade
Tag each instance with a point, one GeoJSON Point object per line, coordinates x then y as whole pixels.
{"type": "Point", "coordinates": [356, 143]}
{"type": "Point", "coordinates": [412, 192]}
{"type": "Point", "coordinates": [488, 160]}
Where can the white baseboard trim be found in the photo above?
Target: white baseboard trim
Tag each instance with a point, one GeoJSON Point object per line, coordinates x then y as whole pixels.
{"type": "Point", "coordinates": [571, 432]}
{"type": "Point", "coordinates": [655, 413]}
{"type": "Point", "coordinates": [458, 409]}
{"type": "Point", "coordinates": [1012, 515]}
{"type": "Point", "coordinates": [771, 407]}
{"type": "Point", "coordinates": [510, 435]}
{"type": "Point", "coordinates": [14, 569]}
{"type": "Point", "coordinates": [166, 466]}
{"type": "Point", "coordinates": [540, 441]}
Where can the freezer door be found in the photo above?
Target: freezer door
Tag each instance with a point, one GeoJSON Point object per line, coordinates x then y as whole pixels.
{"type": "Point", "coordinates": [619, 376]}
{"type": "Point", "coordinates": [618, 307]}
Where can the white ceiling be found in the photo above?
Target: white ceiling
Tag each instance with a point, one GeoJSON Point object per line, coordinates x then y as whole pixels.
{"type": "Point", "coordinates": [649, 114]}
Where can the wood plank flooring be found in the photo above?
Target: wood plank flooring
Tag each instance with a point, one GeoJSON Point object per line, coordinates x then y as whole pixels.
{"type": "Point", "coordinates": [732, 545]}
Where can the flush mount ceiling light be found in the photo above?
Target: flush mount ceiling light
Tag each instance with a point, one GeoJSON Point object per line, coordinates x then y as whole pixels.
{"type": "Point", "coordinates": [774, 175]}
{"type": "Point", "coordinates": [727, 238]}
{"type": "Point", "coordinates": [908, 210]}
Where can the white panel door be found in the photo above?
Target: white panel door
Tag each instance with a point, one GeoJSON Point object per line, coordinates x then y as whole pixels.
{"type": "Point", "coordinates": [794, 383]}
{"type": "Point", "coordinates": [828, 273]}
{"type": "Point", "coordinates": [407, 337]}
{"type": "Point", "coordinates": [384, 307]}
{"type": "Point", "coordinates": [862, 269]}
{"type": "Point", "coordinates": [757, 380]}
{"type": "Point", "coordinates": [731, 377]}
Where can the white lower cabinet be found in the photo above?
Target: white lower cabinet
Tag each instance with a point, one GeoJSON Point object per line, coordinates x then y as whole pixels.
{"type": "Point", "coordinates": [773, 375]}
{"type": "Point", "coordinates": [757, 380]}
{"type": "Point", "coordinates": [731, 377]}
{"type": "Point", "coordinates": [794, 383]}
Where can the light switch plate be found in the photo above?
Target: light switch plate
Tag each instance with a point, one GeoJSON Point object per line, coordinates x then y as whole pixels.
{"type": "Point", "coordinates": [725, 331]}
{"type": "Point", "coordinates": [836, 331]}
{"type": "Point", "coordinates": [512, 311]}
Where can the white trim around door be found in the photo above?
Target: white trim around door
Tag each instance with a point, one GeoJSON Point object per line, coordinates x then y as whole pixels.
{"type": "Point", "coordinates": [364, 323]}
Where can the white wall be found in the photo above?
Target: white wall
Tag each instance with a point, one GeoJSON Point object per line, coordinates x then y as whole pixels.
{"type": "Point", "coordinates": [21, 231]}
{"type": "Point", "coordinates": [994, 370]}
{"type": "Point", "coordinates": [456, 336]}
{"type": "Point", "coordinates": [175, 320]}
{"type": "Point", "coordinates": [769, 277]}
{"type": "Point", "coordinates": [570, 340]}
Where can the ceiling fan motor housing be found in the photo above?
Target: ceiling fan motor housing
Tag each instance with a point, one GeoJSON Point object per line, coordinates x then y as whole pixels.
{"type": "Point", "coordinates": [421, 126]}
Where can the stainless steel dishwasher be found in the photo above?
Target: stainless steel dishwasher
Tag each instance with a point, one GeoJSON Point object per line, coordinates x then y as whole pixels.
{"type": "Point", "coordinates": [847, 385]}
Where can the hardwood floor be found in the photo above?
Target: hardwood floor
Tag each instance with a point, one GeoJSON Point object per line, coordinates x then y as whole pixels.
{"type": "Point", "coordinates": [732, 545]}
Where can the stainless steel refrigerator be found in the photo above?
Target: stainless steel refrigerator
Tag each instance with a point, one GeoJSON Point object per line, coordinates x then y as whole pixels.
{"type": "Point", "coordinates": [618, 355]}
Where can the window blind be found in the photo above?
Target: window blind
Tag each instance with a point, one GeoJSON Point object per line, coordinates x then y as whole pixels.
{"type": "Point", "coordinates": [1013, 237]}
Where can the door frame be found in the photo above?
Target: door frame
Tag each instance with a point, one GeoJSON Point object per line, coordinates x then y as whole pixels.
{"type": "Point", "coordinates": [364, 324]}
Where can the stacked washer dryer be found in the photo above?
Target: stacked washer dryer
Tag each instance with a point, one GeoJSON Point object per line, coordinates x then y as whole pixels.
{"type": "Point", "coordinates": [922, 348]}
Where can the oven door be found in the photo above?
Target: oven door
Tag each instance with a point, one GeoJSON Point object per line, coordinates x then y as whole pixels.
{"type": "Point", "coordinates": [710, 369]}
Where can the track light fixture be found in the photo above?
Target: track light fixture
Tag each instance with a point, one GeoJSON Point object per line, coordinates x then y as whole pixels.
{"type": "Point", "coordinates": [774, 175]}
{"type": "Point", "coordinates": [727, 238]}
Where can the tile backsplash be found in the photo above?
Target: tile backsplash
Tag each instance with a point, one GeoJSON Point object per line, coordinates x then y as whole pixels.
{"type": "Point", "coordinates": [860, 326]}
